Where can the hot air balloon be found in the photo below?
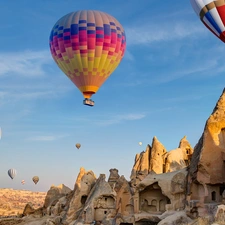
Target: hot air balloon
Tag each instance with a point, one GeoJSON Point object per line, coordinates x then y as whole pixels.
{"type": "Point", "coordinates": [23, 182]}
{"type": "Point", "coordinates": [12, 173]}
{"type": "Point", "coordinates": [78, 145]}
{"type": "Point", "coordinates": [87, 46]}
{"type": "Point", "coordinates": [35, 179]}
{"type": "Point", "coordinates": [212, 15]}
{"type": "Point", "coordinates": [140, 143]}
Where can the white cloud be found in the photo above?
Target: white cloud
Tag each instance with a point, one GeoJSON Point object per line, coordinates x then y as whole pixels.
{"type": "Point", "coordinates": [171, 76]}
{"type": "Point", "coordinates": [119, 119]}
{"type": "Point", "coordinates": [45, 138]}
{"type": "Point", "coordinates": [131, 116]}
{"type": "Point", "coordinates": [33, 95]}
{"type": "Point", "coordinates": [27, 63]}
{"type": "Point", "coordinates": [42, 138]}
{"type": "Point", "coordinates": [162, 32]}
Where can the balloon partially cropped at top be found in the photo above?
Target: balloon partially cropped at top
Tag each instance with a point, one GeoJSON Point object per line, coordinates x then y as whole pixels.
{"type": "Point", "coordinates": [212, 15]}
{"type": "Point", "coordinates": [87, 46]}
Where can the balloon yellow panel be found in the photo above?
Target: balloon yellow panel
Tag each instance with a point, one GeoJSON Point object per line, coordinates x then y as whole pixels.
{"type": "Point", "coordinates": [87, 46]}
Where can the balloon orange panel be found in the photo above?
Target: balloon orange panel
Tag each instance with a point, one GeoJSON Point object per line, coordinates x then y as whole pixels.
{"type": "Point", "coordinates": [87, 46]}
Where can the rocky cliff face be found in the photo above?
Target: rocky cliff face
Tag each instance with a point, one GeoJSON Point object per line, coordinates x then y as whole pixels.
{"type": "Point", "coordinates": [207, 165]}
{"type": "Point", "coordinates": [206, 179]}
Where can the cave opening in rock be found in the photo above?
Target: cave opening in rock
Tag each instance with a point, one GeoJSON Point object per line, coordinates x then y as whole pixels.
{"type": "Point", "coordinates": [222, 188]}
{"type": "Point", "coordinates": [213, 196]}
{"type": "Point", "coordinates": [83, 199]}
{"type": "Point", "coordinates": [145, 222]}
{"type": "Point", "coordinates": [151, 200]}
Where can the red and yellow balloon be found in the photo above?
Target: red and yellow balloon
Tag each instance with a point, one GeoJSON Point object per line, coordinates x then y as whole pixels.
{"type": "Point", "coordinates": [87, 46]}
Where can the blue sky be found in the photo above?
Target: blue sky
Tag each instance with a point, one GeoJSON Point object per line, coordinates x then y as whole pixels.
{"type": "Point", "coordinates": [166, 86]}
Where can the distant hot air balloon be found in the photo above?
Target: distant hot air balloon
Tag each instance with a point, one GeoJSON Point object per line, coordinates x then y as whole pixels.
{"type": "Point", "coordinates": [87, 46]}
{"type": "Point", "coordinates": [12, 173]}
{"type": "Point", "coordinates": [23, 182]}
{"type": "Point", "coordinates": [212, 15]}
{"type": "Point", "coordinates": [140, 143]}
{"type": "Point", "coordinates": [35, 179]}
{"type": "Point", "coordinates": [78, 145]}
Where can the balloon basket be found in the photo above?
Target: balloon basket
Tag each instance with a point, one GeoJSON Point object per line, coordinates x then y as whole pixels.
{"type": "Point", "coordinates": [88, 102]}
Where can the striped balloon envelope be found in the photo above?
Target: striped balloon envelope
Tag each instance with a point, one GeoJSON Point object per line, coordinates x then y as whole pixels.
{"type": "Point", "coordinates": [87, 46]}
{"type": "Point", "coordinates": [212, 15]}
{"type": "Point", "coordinates": [12, 173]}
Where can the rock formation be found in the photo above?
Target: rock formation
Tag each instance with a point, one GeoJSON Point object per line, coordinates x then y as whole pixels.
{"type": "Point", "coordinates": [178, 158]}
{"type": "Point", "coordinates": [156, 156]}
{"type": "Point", "coordinates": [84, 183]}
{"type": "Point", "coordinates": [157, 160]}
{"type": "Point", "coordinates": [113, 177]}
{"type": "Point", "coordinates": [206, 180]}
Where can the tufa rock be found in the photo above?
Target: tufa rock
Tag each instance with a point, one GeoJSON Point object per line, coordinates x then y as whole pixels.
{"type": "Point", "coordinates": [206, 172]}
{"type": "Point", "coordinates": [178, 158]}
{"type": "Point", "coordinates": [84, 183]}
{"type": "Point", "coordinates": [113, 177]}
{"type": "Point", "coordinates": [54, 194]}
{"type": "Point", "coordinates": [156, 156]}
{"type": "Point", "coordinates": [29, 209]}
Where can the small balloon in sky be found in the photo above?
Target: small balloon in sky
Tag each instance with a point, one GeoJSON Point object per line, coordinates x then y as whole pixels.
{"type": "Point", "coordinates": [12, 173]}
{"type": "Point", "coordinates": [78, 145]}
{"type": "Point", "coordinates": [23, 182]}
{"type": "Point", "coordinates": [140, 143]}
{"type": "Point", "coordinates": [35, 179]}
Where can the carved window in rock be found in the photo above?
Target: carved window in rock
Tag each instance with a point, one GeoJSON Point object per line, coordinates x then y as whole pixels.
{"type": "Point", "coordinates": [213, 196]}
{"type": "Point", "coordinates": [109, 201]}
{"type": "Point", "coordinates": [162, 206]}
{"type": "Point", "coordinates": [222, 188]}
{"type": "Point", "coordinates": [130, 208]}
{"type": "Point", "coordinates": [150, 199]}
{"type": "Point", "coordinates": [105, 202]}
{"type": "Point", "coordinates": [83, 199]}
{"type": "Point", "coordinates": [222, 137]}
{"type": "Point", "coordinates": [154, 205]}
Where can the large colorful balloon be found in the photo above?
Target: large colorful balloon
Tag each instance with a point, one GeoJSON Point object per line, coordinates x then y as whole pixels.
{"type": "Point", "coordinates": [212, 14]}
{"type": "Point", "coordinates": [35, 179]}
{"type": "Point", "coordinates": [12, 173]}
{"type": "Point", "coordinates": [87, 46]}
